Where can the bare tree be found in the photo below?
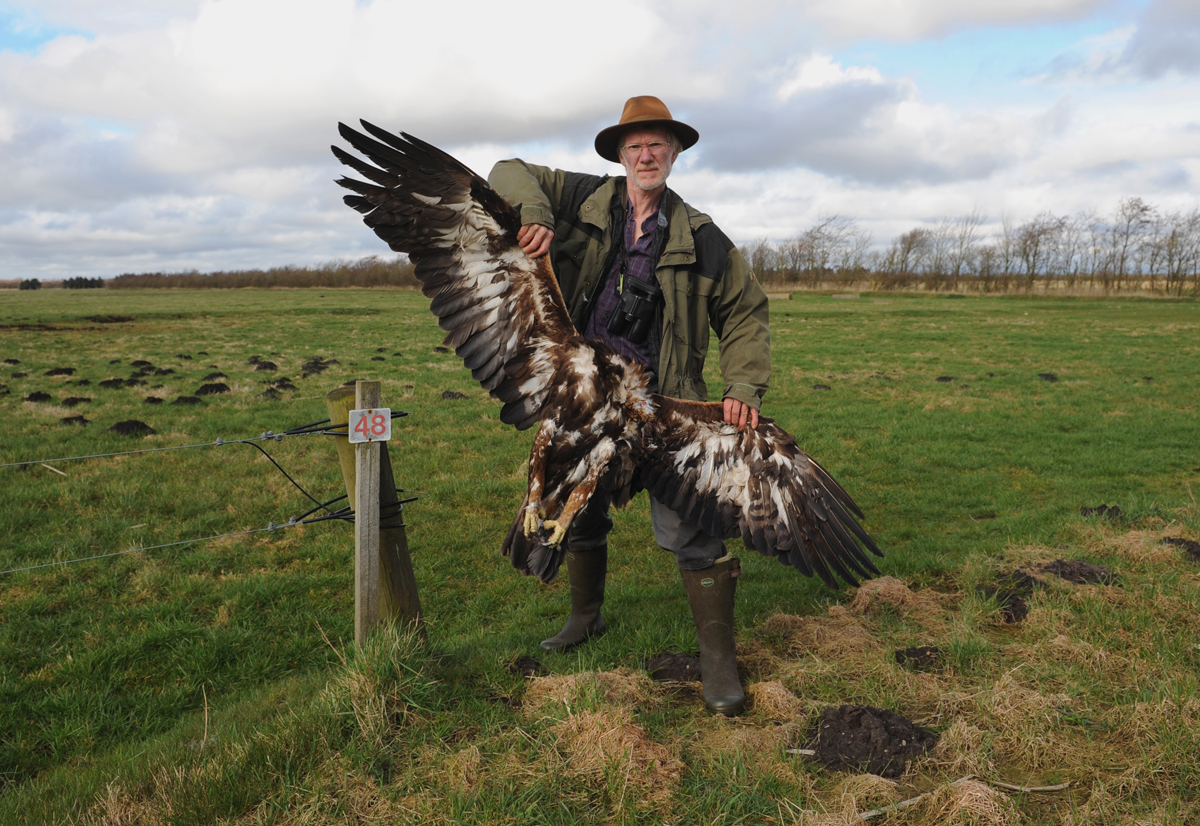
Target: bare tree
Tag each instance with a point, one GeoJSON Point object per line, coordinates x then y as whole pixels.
{"type": "Point", "coordinates": [1035, 242]}
{"type": "Point", "coordinates": [1133, 219]}
{"type": "Point", "coordinates": [909, 251]}
{"type": "Point", "coordinates": [761, 255]}
{"type": "Point", "coordinates": [963, 248]}
{"type": "Point", "coordinates": [1179, 257]}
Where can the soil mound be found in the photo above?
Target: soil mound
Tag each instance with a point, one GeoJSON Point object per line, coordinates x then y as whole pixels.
{"type": "Point", "coordinates": [131, 427]}
{"type": "Point", "coordinates": [863, 738]}
{"type": "Point", "coordinates": [112, 383]}
{"type": "Point", "coordinates": [152, 400]}
{"type": "Point", "coordinates": [920, 658]}
{"type": "Point", "coordinates": [1101, 510]}
{"type": "Point", "coordinates": [38, 396]}
{"type": "Point", "coordinates": [187, 400]}
{"type": "Point", "coordinates": [79, 420]}
{"type": "Point", "coordinates": [440, 349]}
{"type": "Point", "coordinates": [73, 401]}
{"type": "Point", "coordinates": [214, 376]}
{"type": "Point", "coordinates": [453, 394]}
{"type": "Point", "coordinates": [527, 667]}
{"type": "Point", "coordinates": [212, 389]}
{"type": "Point", "coordinates": [945, 379]}
{"type": "Point", "coordinates": [61, 371]}
{"type": "Point", "coordinates": [1010, 592]}
{"type": "Point", "coordinates": [1080, 572]}
{"type": "Point", "coordinates": [140, 363]}
{"type": "Point", "coordinates": [673, 668]}
{"type": "Point", "coordinates": [266, 365]}
{"type": "Point", "coordinates": [12, 361]}
{"type": "Point", "coordinates": [1191, 547]}
{"type": "Point", "coordinates": [1047, 377]}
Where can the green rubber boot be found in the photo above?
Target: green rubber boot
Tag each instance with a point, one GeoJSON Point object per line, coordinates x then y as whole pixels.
{"type": "Point", "coordinates": [710, 594]}
{"type": "Point", "coordinates": [585, 570]}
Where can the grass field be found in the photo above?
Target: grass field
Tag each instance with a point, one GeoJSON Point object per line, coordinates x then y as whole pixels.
{"type": "Point", "coordinates": [213, 682]}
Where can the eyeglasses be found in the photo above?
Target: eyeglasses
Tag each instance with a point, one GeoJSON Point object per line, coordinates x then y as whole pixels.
{"type": "Point", "coordinates": [634, 150]}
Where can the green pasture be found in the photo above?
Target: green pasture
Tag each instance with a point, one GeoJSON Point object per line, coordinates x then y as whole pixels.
{"type": "Point", "coordinates": [215, 682]}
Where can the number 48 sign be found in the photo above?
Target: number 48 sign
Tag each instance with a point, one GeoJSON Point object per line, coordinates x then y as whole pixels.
{"type": "Point", "coordinates": [370, 425]}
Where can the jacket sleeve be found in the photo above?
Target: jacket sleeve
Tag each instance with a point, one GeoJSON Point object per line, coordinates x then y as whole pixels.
{"type": "Point", "coordinates": [536, 191]}
{"type": "Point", "coordinates": [741, 319]}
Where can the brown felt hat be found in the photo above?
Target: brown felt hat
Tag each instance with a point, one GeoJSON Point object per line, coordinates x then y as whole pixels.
{"type": "Point", "coordinates": [643, 110]}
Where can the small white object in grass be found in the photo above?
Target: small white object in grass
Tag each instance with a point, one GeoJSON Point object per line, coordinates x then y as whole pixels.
{"type": "Point", "coordinates": [56, 470]}
{"type": "Point", "coordinates": [805, 752]}
{"type": "Point", "coordinates": [370, 425]}
{"type": "Point", "coordinates": [131, 527]}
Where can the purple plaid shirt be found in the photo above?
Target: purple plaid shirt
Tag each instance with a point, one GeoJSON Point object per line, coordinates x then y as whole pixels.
{"type": "Point", "coordinates": [636, 260]}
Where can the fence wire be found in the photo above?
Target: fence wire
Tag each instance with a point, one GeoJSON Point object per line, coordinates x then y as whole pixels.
{"type": "Point", "coordinates": [317, 428]}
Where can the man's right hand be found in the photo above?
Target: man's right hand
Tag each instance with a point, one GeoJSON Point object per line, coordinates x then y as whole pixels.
{"type": "Point", "coordinates": [535, 239]}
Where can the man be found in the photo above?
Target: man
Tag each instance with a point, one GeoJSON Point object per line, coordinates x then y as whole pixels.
{"type": "Point", "coordinates": [613, 238]}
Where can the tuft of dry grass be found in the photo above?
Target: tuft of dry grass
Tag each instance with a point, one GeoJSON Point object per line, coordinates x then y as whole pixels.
{"type": "Point", "coordinates": [607, 745]}
{"type": "Point", "coordinates": [837, 636]}
{"type": "Point", "coordinates": [967, 802]}
{"type": "Point", "coordinates": [621, 686]}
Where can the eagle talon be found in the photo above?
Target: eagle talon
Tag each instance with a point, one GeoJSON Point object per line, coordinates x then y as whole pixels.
{"type": "Point", "coordinates": [534, 514]}
{"type": "Point", "coordinates": [559, 531]}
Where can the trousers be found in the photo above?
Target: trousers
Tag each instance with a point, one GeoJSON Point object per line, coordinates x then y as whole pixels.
{"type": "Point", "coordinates": [694, 549]}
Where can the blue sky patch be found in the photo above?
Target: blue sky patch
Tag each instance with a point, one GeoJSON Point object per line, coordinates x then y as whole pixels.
{"type": "Point", "coordinates": [24, 32]}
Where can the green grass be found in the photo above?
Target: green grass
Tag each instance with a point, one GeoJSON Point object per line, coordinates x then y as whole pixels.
{"type": "Point", "coordinates": [112, 671]}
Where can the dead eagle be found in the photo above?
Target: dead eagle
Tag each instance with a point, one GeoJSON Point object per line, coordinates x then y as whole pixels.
{"type": "Point", "coordinates": [598, 423]}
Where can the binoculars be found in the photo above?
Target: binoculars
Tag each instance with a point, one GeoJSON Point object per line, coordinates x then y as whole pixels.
{"type": "Point", "coordinates": [634, 315]}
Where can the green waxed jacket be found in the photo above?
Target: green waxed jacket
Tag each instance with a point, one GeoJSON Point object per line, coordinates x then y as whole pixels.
{"type": "Point", "coordinates": [705, 281]}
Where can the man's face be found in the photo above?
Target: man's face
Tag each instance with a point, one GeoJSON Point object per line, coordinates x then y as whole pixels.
{"type": "Point", "coordinates": [647, 169]}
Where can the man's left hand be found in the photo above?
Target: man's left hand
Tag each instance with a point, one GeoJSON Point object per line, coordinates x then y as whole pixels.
{"type": "Point", "coordinates": [739, 413]}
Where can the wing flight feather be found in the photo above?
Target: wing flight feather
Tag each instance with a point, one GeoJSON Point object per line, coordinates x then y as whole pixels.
{"type": "Point", "coordinates": [502, 311]}
{"type": "Point", "coordinates": [757, 484]}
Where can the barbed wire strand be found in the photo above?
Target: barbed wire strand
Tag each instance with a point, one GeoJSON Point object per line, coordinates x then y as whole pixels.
{"type": "Point", "coordinates": [342, 514]}
{"type": "Point", "coordinates": [311, 429]}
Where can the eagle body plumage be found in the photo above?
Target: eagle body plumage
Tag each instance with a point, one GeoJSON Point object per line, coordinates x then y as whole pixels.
{"type": "Point", "coordinates": [599, 426]}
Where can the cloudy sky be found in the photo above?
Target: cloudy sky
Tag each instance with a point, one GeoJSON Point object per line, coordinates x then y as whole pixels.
{"type": "Point", "coordinates": [169, 135]}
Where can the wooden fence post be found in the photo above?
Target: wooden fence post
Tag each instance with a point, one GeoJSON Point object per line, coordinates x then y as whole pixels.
{"type": "Point", "coordinates": [384, 585]}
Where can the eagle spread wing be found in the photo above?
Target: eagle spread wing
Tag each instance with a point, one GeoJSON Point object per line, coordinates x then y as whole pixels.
{"type": "Point", "coordinates": [506, 318]}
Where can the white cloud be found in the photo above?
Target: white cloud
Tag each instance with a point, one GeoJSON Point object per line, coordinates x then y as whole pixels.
{"type": "Point", "coordinates": [195, 134]}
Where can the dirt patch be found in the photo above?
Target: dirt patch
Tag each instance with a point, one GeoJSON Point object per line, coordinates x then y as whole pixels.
{"type": "Point", "coordinates": [214, 376]}
{"type": "Point", "coordinates": [80, 382]}
{"type": "Point", "coordinates": [164, 371]}
{"type": "Point", "coordinates": [1047, 377]}
{"type": "Point", "coordinates": [38, 396]}
{"type": "Point", "coordinates": [1080, 572]}
{"type": "Point", "coordinates": [1189, 546]}
{"type": "Point", "coordinates": [453, 394]}
{"type": "Point", "coordinates": [79, 420]}
{"type": "Point", "coordinates": [945, 379]}
{"type": "Point", "coordinates": [19, 375]}
{"type": "Point", "coordinates": [12, 361]}
{"type": "Point", "coordinates": [187, 400]}
{"type": "Point", "coordinates": [441, 349]}
{"type": "Point", "coordinates": [1101, 510]}
{"type": "Point", "coordinates": [61, 371]}
{"type": "Point", "coordinates": [134, 381]}
{"type": "Point", "coordinates": [920, 658]}
{"type": "Point", "coordinates": [183, 356]}
{"type": "Point", "coordinates": [111, 384]}
{"type": "Point", "coordinates": [266, 365]}
{"type": "Point", "coordinates": [131, 427]}
{"type": "Point", "coordinates": [74, 401]}
{"type": "Point", "coordinates": [212, 389]}
{"type": "Point", "coordinates": [1010, 592]}
{"type": "Point", "coordinates": [282, 384]}
{"type": "Point", "coordinates": [316, 365]}
{"type": "Point", "coordinates": [140, 363]}
{"type": "Point", "coordinates": [527, 667]}
{"type": "Point", "coordinates": [868, 739]}
{"type": "Point", "coordinates": [378, 358]}
{"type": "Point", "coordinates": [821, 387]}
{"type": "Point", "coordinates": [109, 319]}
{"type": "Point", "coordinates": [152, 400]}
{"type": "Point", "coordinates": [673, 668]}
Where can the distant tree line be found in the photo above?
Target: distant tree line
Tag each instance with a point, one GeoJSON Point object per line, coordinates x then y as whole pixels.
{"type": "Point", "coordinates": [30, 284]}
{"type": "Point", "coordinates": [82, 283]}
{"type": "Point", "coordinates": [366, 272]}
{"type": "Point", "coordinates": [1137, 247]}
